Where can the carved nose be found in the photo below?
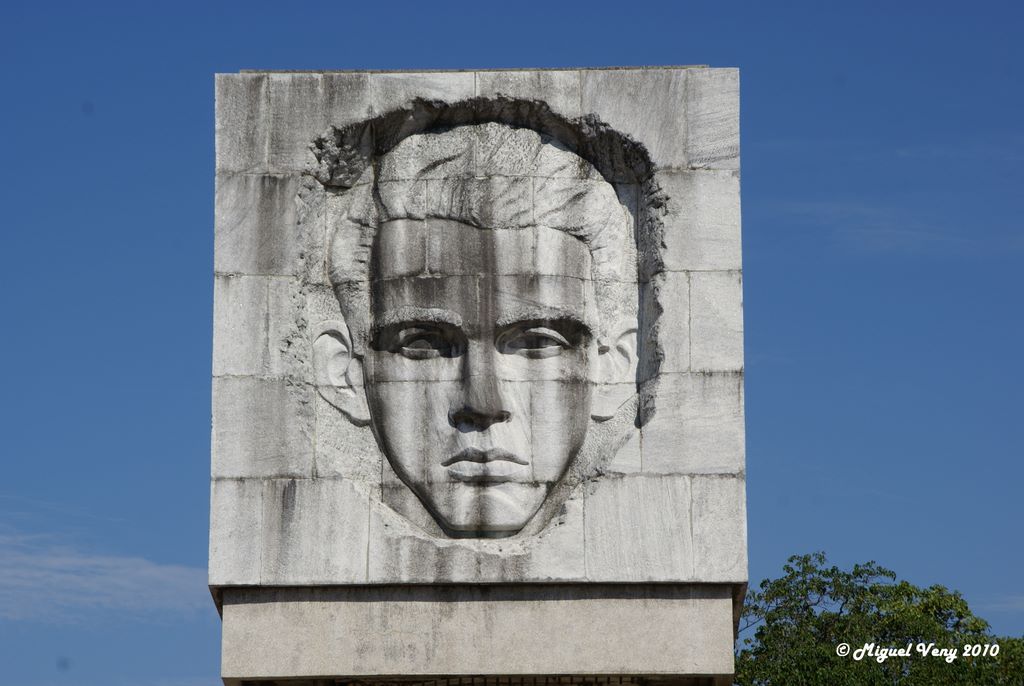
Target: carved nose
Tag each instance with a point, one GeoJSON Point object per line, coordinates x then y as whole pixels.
{"type": "Point", "coordinates": [469, 418]}
{"type": "Point", "coordinates": [482, 404]}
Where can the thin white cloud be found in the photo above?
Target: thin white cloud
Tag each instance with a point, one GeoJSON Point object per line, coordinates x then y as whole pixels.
{"type": "Point", "coordinates": [991, 147]}
{"type": "Point", "coordinates": [1009, 149]}
{"type": "Point", "coordinates": [15, 507]}
{"type": "Point", "coordinates": [1010, 603]}
{"type": "Point", "coordinates": [43, 580]}
{"type": "Point", "coordinates": [876, 228]}
{"type": "Point", "coordinates": [918, 225]}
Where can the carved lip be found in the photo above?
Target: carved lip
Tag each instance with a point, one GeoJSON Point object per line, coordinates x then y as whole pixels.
{"type": "Point", "coordinates": [483, 456]}
{"type": "Point", "coordinates": [490, 466]}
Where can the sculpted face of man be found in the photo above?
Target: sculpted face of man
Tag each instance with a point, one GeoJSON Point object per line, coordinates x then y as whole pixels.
{"type": "Point", "coordinates": [478, 375]}
{"type": "Point", "coordinates": [484, 248]}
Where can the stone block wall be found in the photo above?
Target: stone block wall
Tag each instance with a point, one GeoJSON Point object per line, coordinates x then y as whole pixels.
{"type": "Point", "coordinates": [301, 496]}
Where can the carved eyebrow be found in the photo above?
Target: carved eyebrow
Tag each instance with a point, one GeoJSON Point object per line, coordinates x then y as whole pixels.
{"type": "Point", "coordinates": [541, 313]}
{"type": "Point", "coordinates": [402, 315]}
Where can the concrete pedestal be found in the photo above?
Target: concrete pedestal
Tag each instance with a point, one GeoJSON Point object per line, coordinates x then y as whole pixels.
{"type": "Point", "coordinates": [388, 633]}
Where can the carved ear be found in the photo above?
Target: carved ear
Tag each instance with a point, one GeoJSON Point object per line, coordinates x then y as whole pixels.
{"type": "Point", "coordinates": [339, 373]}
{"type": "Point", "coordinates": [616, 375]}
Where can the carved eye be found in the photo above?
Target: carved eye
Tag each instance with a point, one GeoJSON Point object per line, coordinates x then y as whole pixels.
{"type": "Point", "coordinates": [423, 342]}
{"type": "Point", "coordinates": [534, 342]}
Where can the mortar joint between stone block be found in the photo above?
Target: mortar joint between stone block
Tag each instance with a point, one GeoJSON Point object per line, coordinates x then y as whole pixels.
{"type": "Point", "coordinates": [693, 544]}
{"type": "Point", "coordinates": [689, 322]}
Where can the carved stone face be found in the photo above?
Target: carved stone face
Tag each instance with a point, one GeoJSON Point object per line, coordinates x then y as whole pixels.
{"type": "Point", "coordinates": [489, 299]}
{"type": "Point", "coordinates": [478, 372]}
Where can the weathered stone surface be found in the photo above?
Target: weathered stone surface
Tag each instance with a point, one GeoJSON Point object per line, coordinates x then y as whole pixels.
{"type": "Point", "coordinates": [346, 97]}
{"type": "Point", "coordinates": [259, 327]}
{"type": "Point", "coordinates": [702, 221]}
{"type": "Point", "coordinates": [633, 629]}
{"type": "Point", "coordinates": [399, 553]}
{"type": "Point", "coordinates": [297, 113]}
{"type": "Point", "coordinates": [637, 529]}
{"type": "Point", "coordinates": [628, 459]}
{"type": "Point", "coordinates": [559, 551]}
{"type": "Point", "coordinates": [242, 104]}
{"type": "Point", "coordinates": [716, 321]}
{"type": "Point", "coordinates": [697, 426]}
{"type": "Point", "coordinates": [672, 336]}
{"type": "Point", "coordinates": [345, 450]}
{"type": "Point", "coordinates": [236, 520]}
{"type": "Point", "coordinates": [494, 240]}
{"type": "Point", "coordinates": [269, 120]}
{"type": "Point", "coordinates": [262, 427]}
{"type": "Point", "coordinates": [240, 313]}
{"type": "Point", "coordinates": [311, 228]}
{"type": "Point", "coordinates": [256, 225]}
{"type": "Point", "coordinates": [649, 105]}
{"type": "Point", "coordinates": [314, 532]}
{"type": "Point", "coordinates": [469, 349]}
{"type": "Point", "coordinates": [560, 89]}
{"type": "Point", "coordinates": [287, 340]}
{"type": "Point", "coordinates": [321, 305]}
{"type": "Point", "coordinates": [626, 252]}
{"type": "Point", "coordinates": [713, 118]}
{"type": "Point", "coordinates": [720, 528]}
{"type": "Point", "coordinates": [394, 90]}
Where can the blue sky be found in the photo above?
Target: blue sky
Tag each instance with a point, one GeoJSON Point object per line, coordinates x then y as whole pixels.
{"type": "Point", "coordinates": [883, 150]}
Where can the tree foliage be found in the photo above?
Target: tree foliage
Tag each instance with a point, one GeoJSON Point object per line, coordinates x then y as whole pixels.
{"type": "Point", "coordinates": [791, 627]}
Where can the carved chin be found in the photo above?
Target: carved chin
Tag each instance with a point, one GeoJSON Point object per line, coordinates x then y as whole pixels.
{"type": "Point", "coordinates": [484, 510]}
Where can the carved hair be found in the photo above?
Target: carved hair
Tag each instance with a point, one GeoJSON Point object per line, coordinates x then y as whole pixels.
{"type": "Point", "coordinates": [494, 177]}
{"type": "Point", "coordinates": [490, 163]}
{"type": "Point", "coordinates": [491, 176]}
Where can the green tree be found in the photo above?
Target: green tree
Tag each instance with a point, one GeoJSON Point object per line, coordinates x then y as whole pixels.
{"type": "Point", "coordinates": [791, 627]}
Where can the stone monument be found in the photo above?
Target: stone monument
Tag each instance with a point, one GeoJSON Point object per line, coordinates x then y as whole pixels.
{"type": "Point", "coordinates": [478, 377]}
